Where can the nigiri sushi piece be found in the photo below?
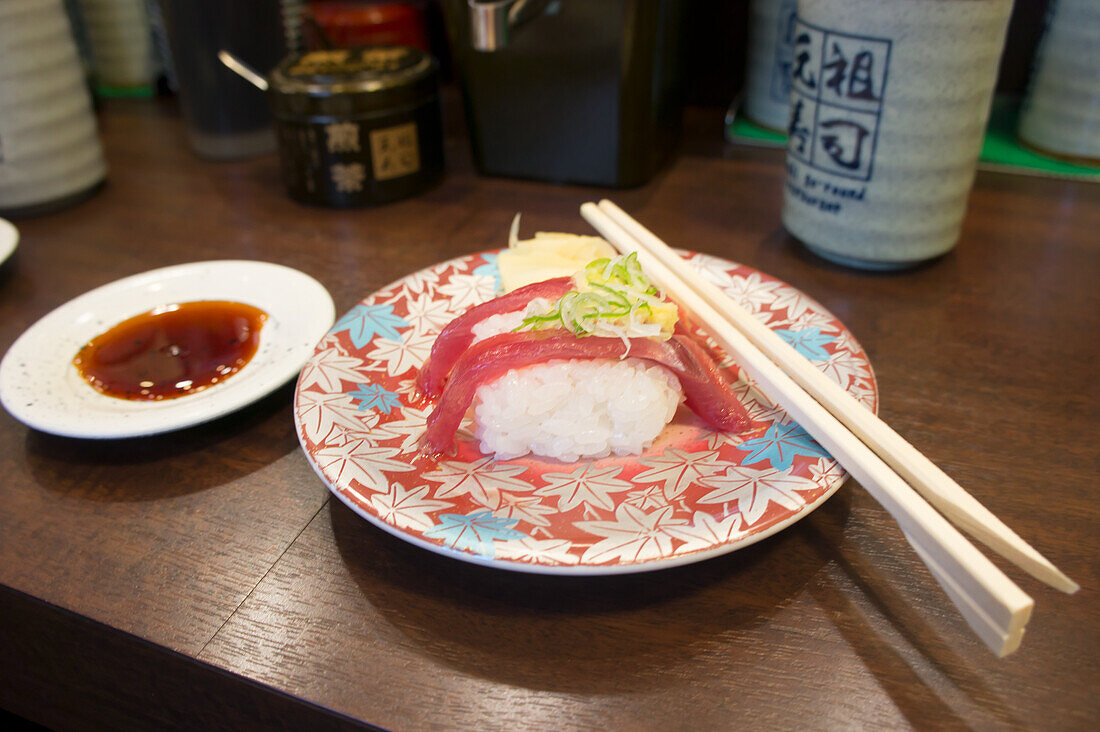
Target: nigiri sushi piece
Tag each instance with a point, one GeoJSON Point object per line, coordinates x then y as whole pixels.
{"type": "Point", "coordinates": [572, 368]}
{"type": "Point", "coordinates": [457, 336]}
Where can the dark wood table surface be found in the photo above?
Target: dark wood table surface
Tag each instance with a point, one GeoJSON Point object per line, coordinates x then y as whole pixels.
{"type": "Point", "coordinates": [207, 578]}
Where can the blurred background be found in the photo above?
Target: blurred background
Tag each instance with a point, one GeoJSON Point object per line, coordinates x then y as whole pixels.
{"type": "Point", "coordinates": [714, 48]}
{"type": "Point", "coordinates": [559, 91]}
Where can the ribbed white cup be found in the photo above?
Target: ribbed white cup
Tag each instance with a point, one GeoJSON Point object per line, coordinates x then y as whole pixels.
{"type": "Point", "coordinates": [49, 149]}
{"type": "Point", "coordinates": [1061, 114]}
{"type": "Point", "coordinates": [933, 67]}
{"type": "Point", "coordinates": [121, 40]}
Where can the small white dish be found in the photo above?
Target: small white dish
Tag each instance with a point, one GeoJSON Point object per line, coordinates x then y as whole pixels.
{"type": "Point", "coordinates": [9, 238]}
{"type": "Point", "coordinates": [40, 386]}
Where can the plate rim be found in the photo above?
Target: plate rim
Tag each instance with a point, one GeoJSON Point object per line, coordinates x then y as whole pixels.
{"type": "Point", "coordinates": [9, 239]}
{"type": "Point", "coordinates": [227, 401]}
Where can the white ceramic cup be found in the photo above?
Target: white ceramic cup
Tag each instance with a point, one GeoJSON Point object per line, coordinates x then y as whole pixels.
{"type": "Point", "coordinates": [768, 72]}
{"type": "Point", "coordinates": [1061, 114]}
{"type": "Point", "coordinates": [49, 150]}
{"type": "Point", "coordinates": [889, 104]}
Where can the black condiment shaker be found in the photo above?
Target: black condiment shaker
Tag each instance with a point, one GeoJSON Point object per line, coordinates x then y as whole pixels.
{"type": "Point", "coordinates": [357, 126]}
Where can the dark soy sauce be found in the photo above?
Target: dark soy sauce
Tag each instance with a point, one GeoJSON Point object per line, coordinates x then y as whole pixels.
{"type": "Point", "coordinates": [172, 351]}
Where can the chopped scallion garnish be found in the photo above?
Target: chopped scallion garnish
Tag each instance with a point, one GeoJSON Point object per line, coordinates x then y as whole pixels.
{"type": "Point", "coordinates": [613, 298]}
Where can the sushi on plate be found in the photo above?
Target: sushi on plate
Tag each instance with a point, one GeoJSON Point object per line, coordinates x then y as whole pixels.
{"type": "Point", "coordinates": [572, 367]}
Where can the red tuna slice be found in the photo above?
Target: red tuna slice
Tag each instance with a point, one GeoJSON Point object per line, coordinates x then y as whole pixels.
{"type": "Point", "coordinates": [706, 392]}
{"type": "Point", "coordinates": [458, 335]}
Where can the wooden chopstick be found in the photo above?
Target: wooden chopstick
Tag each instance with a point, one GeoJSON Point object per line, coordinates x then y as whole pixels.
{"type": "Point", "coordinates": [995, 608]}
{"type": "Point", "coordinates": [936, 486]}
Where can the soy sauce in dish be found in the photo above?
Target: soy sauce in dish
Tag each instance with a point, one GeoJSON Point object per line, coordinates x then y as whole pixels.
{"type": "Point", "coordinates": [172, 351]}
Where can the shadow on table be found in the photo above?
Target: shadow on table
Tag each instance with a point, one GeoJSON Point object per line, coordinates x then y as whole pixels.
{"type": "Point", "coordinates": [893, 666]}
{"type": "Point", "coordinates": [170, 464]}
{"type": "Point", "coordinates": [781, 244]}
{"type": "Point", "coordinates": [608, 634]}
{"type": "Point", "coordinates": [632, 633]}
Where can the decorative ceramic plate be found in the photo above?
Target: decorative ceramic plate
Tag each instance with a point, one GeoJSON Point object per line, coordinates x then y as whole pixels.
{"type": "Point", "coordinates": [40, 386]}
{"type": "Point", "coordinates": [695, 493]}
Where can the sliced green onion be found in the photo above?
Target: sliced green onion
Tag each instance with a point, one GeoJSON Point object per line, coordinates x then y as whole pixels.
{"type": "Point", "coordinates": [613, 295]}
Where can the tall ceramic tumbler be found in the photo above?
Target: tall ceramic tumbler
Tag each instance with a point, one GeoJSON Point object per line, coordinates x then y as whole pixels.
{"type": "Point", "coordinates": [1061, 115]}
{"type": "Point", "coordinates": [50, 156]}
{"type": "Point", "coordinates": [889, 104]}
{"type": "Point", "coordinates": [768, 71]}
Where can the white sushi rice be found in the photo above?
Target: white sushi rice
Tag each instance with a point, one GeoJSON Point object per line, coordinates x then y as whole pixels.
{"type": "Point", "coordinates": [572, 409]}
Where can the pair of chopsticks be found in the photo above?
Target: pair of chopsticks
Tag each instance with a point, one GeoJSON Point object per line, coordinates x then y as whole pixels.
{"type": "Point", "coordinates": [880, 459]}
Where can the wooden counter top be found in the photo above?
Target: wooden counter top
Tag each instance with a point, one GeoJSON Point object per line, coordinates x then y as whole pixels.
{"type": "Point", "coordinates": [207, 579]}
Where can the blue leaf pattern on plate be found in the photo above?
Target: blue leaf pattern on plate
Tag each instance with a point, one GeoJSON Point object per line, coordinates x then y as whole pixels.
{"type": "Point", "coordinates": [490, 269]}
{"type": "Point", "coordinates": [808, 342]}
{"type": "Point", "coordinates": [474, 532]}
{"type": "Point", "coordinates": [779, 446]}
{"type": "Point", "coordinates": [374, 396]}
{"type": "Point", "coordinates": [364, 322]}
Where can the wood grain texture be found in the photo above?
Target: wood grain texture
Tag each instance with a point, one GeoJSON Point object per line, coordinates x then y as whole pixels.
{"type": "Point", "coordinates": [214, 558]}
{"type": "Point", "coordinates": [69, 672]}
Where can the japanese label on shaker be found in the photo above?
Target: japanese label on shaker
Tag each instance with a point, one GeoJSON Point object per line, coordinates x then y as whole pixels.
{"type": "Point", "coordinates": [838, 81]}
{"type": "Point", "coordinates": [342, 137]}
{"type": "Point", "coordinates": [394, 151]}
{"type": "Point", "coordinates": [348, 177]}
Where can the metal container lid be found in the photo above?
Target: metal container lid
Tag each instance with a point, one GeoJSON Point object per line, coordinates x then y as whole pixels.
{"type": "Point", "coordinates": [352, 81]}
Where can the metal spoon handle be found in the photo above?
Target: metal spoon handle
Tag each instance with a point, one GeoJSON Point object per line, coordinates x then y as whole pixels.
{"type": "Point", "coordinates": [242, 69]}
